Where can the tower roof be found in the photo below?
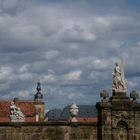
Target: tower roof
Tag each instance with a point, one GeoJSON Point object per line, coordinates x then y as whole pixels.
{"type": "Point", "coordinates": [85, 111]}
{"type": "Point", "coordinates": [38, 95]}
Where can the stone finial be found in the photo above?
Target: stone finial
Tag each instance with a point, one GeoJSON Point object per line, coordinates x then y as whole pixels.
{"type": "Point", "coordinates": [74, 110]}
{"type": "Point", "coordinates": [104, 94]}
{"type": "Point", "coordinates": [134, 95]}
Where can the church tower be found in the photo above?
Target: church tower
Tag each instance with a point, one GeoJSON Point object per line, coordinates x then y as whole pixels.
{"type": "Point", "coordinates": [38, 102]}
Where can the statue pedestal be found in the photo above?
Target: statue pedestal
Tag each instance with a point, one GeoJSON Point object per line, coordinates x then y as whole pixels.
{"type": "Point", "coordinates": [119, 95]}
{"type": "Point", "coordinates": [116, 117]}
{"type": "Point", "coordinates": [74, 119]}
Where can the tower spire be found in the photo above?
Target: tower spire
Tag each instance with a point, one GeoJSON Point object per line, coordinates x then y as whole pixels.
{"type": "Point", "coordinates": [38, 86]}
{"type": "Point", "coordinates": [38, 96]}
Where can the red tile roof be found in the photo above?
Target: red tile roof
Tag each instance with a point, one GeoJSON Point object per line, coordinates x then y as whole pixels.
{"type": "Point", "coordinates": [4, 108]}
{"type": "Point", "coordinates": [30, 119]}
{"type": "Point", "coordinates": [4, 119]}
{"type": "Point", "coordinates": [27, 107]}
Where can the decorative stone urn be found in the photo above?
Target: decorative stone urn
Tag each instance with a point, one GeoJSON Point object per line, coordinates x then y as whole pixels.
{"type": "Point", "coordinates": [134, 95]}
{"type": "Point", "coordinates": [74, 110]}
{"type": "Point", "coordinates": [104, 94]}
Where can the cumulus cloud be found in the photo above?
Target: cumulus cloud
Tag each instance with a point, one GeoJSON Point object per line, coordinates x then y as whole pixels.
{"type": "Point", "coordinates": [21, 94]}
{"type": "Point", "coordinates": [48, 78]}
{"type": "Point", "coordinates": [88, 62]}
{"type": "Point", "coordinates": [51, 54]}
{"type": "Point", "coordinates": [74, 75]}
{"type": "Point", "coordinates": [5, 73]}
{"type": "Point", "coordinates": [132, 84]}
{"type": "Point", "coordinates": [24, 68]}
{"type": "Point", "coordinates": [78, 34]}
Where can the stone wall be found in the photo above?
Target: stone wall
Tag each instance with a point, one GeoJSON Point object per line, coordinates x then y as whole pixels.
{"type": "Point", "coordinates": [137, 122]}
{"type": "Point", "coordinates": [119, 118]}
{"type": "Point", "coordinates": [48, 131]}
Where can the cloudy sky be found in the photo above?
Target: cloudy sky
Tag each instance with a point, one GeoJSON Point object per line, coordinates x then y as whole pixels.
{"type": "Point", "coordinates": [69, 45]}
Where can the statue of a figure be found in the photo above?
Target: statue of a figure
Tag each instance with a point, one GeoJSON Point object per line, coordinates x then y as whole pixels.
{"type": "Point", "coordinates": [118, 79]}
{"type": "Point", "coordinates": [16, 114]}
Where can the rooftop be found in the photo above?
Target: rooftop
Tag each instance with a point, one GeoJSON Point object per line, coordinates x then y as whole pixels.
{"type": "Point", "coordinates": [85, 111]}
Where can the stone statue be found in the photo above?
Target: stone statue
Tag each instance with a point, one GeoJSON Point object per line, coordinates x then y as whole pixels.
{"type": "Point", "coordinates": [118, 84]}
{"type": "Point", "coordinates": [16, 114]}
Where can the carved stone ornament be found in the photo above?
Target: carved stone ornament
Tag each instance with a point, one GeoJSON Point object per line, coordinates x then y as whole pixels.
{"type": "Point", "coordinates": [16, 114]}
{"type": "Point", "coordinates": [106, 118]}
{"type": "Point", "coordinates": [121, 116]}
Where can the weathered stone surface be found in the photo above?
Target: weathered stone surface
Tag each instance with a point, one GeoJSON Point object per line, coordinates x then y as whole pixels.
{"type": "Point", "coordinates": [119, 118]}
{"type": "Point", "coordinates": [58, 132]}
